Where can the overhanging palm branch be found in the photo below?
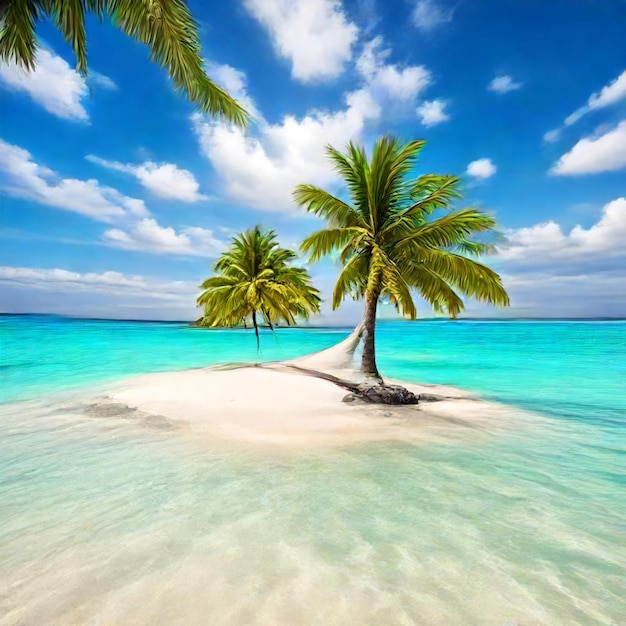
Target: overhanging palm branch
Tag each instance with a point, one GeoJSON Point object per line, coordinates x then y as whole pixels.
{"type": "Point", "coordinates": [393, 240]}
{"type": "Point", "coordinates": [256, 278]}
{"type": "Point", "coordinates": [167, 27]}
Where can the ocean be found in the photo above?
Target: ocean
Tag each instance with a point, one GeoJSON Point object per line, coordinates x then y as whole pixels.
{"type": "Point", "coordinates": [109, 521]}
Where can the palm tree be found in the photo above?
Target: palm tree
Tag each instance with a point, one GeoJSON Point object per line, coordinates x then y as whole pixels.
{"type": "Point", "coordinates": [390, 242]}
{"type": "Point", "coordinates": [166, 26]}
{"type": "Point", "coordinates": [255, 276]}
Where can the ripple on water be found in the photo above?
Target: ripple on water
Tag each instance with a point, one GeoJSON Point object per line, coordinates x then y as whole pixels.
{"type": "Point", "coordinates": [101, 513]}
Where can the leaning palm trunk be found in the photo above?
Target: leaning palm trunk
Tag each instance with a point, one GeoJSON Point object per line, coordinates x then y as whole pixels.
{"type": "Point", "coordinates": [368, 359]}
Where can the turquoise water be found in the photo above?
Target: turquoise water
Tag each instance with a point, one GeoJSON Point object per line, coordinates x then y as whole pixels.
{"type": "Point", "coordinates": [127, 522]}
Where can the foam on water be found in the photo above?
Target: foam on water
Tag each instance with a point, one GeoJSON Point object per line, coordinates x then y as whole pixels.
{"type": "Point", "coordinates": [119, 518]}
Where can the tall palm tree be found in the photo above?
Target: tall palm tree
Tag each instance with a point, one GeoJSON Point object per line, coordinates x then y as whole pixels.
{"type": "Point", "coordinates": [255, 276]}
{"type": "Point", "coordinates": [166, 26]}
{"type": "Point", "coordinates": [391, 242]}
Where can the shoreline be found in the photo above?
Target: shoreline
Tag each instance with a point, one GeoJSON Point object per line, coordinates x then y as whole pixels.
{"type": "Point", "coordinates": [273, 404]}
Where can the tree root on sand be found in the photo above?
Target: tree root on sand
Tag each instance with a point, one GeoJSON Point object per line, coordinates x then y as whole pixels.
{"type": "Point", "coordinates": [378, 393]}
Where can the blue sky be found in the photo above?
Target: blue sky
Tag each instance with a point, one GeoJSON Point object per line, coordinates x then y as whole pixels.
{"type": "Point", "coordinates": [116, 196]}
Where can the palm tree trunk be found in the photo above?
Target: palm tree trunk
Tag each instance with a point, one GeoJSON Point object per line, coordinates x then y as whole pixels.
{"type": "Point", "coordinates": [256, 332]}
{"type": "Point", "coordinates": [368, 360]}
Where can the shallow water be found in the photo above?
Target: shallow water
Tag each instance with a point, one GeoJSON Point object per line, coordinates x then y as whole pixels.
{"type": "Point", "coordinates": [120, 519]}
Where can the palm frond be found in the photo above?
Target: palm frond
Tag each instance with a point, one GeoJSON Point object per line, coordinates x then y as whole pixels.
{"type": "Point", "coordinates": [398, 291]}
{"type": "Point", "coordinates": [353, 168]}
{"type": "Point", "coordinates": [352, 280]}
{"type": "Point", "coordinates": [323, 242]}
{"type": "Point", "coordinates": [18, 43]}
{"type": "Point", "coordinates": [167, 27]}
{"type": "Point", "coordinates": [449, 230]}
{"type": "Point", "coordinates": [467, 275]}
{"type": "Point", "coordinates": [69, 17]}
{"type": "Point", "coordinates": [391, 162]}
{"type": "Point", "coordinates": [323, 204]}
{"type": "Point", "coordinates": [171, 33]}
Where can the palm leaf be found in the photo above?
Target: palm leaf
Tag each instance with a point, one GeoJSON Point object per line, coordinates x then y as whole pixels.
{"type": "Point", "coordinates": [323, 242]}
{"type": "Point", "coordinates": [18, 43]}
{"type": "Point", "coordinates": [167, 27]}
{"type": "Point", "coordinates": [323, 204]}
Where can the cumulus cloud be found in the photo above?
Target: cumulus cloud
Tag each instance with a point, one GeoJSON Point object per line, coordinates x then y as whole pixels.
{"type": "Point", "coordinates": [591, 155]}
{"type": "Point", "coordinates": [261, 170]}
{"type": "Point", "coordinates": [431, 14]}
{"type": "Point", "coordinates": [432, 112]}
{"type": "Point", "coordinates": [53, 84]}
{"type": "Point", "coordinates": [546, 242]}
{"type": "Point", "coordinates": [481, 168]}
{"type": "Point", "coordinates": [116, 286]}
{"type": "Point", "coordinates": [581, 272]}
{"type": "Point", "coordinates": [610, 94]}
{"type": "Point", "coordinates": [165, 180]}
{"type": "Point", "coordinates": [503, 84]}
{"type": "Point", "coordinates": [22, 177]}
{"type": "Point", "coordinates": [387, 80]}
{"type": "Point", "coordinates": [314, 35]}
{"type": "Point", "coordinates": [147, 235]}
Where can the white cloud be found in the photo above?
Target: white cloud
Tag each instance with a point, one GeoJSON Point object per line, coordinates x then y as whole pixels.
{"type": "Point", "coordinates": [387, 80]}
{"type": "Point", "coordinates": [165, 180]}
{"type": "Point", "coordinates": [109, 283]}
{"type": "Point", "coordinates": [100, 80]}
{"type": "Point", "coordinates": [433, 112]}
{"type": "Point", "coordinates": [315, 35]}
{"type": "Point", "coordinates": [549, 271]}
{"type": "Point", "coordinates": [503, 84]}
{"type": "Point", "coordinates": [481, 168]}
{"type": "Point", "coordinates": [53, 84]}
{"type": "Point", "coordinates": [546, 242]}
{"type": "Point", "coordinates": [602, 153]}
{"type": "Point", "coordinates": [21, 177]}
{"type": "Point", "coordinates": [262, 170]}
{"type": "Point", "coordinates": [430, 14]}
{"type": "Point", "coordinates": [552, 135]}
{"type": "Point", "coordinates": [147, 235]}
{"type": "Point", "coordinates": [608, 95]}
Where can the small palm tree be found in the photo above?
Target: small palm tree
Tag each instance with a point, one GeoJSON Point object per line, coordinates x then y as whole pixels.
{"type": "Point", "coordinates": [390, 242]}
{"type": "Point", "coordinates": [166, 26]}
{"type": "Point", "coordinates": [255, 276]}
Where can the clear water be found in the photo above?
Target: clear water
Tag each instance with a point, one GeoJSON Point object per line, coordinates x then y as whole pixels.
{"type": "Point", "coordinates": [116, 521]}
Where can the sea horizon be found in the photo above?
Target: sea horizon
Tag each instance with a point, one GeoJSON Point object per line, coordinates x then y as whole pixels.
{"type": "Point", "coordinates": [395, 319]}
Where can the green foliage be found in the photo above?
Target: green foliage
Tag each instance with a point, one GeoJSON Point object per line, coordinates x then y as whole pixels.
{"type": "Point", "coordinates": [392, 237]}
{"type": "Point", "coordinates": [255, 276]}
{"type": "Point", "coordinates": [165, 26]}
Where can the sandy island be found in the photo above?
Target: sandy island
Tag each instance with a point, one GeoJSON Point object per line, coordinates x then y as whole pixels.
{"type": "Point", "coordinates": [280, 404]}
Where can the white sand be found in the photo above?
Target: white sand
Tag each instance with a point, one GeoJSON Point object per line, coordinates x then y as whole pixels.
{"type": "Point", "coordinates": [278, 406]}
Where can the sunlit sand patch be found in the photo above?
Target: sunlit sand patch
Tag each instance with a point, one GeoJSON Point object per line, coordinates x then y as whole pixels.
{"type": "Point", "coordinates": [277, 405]}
